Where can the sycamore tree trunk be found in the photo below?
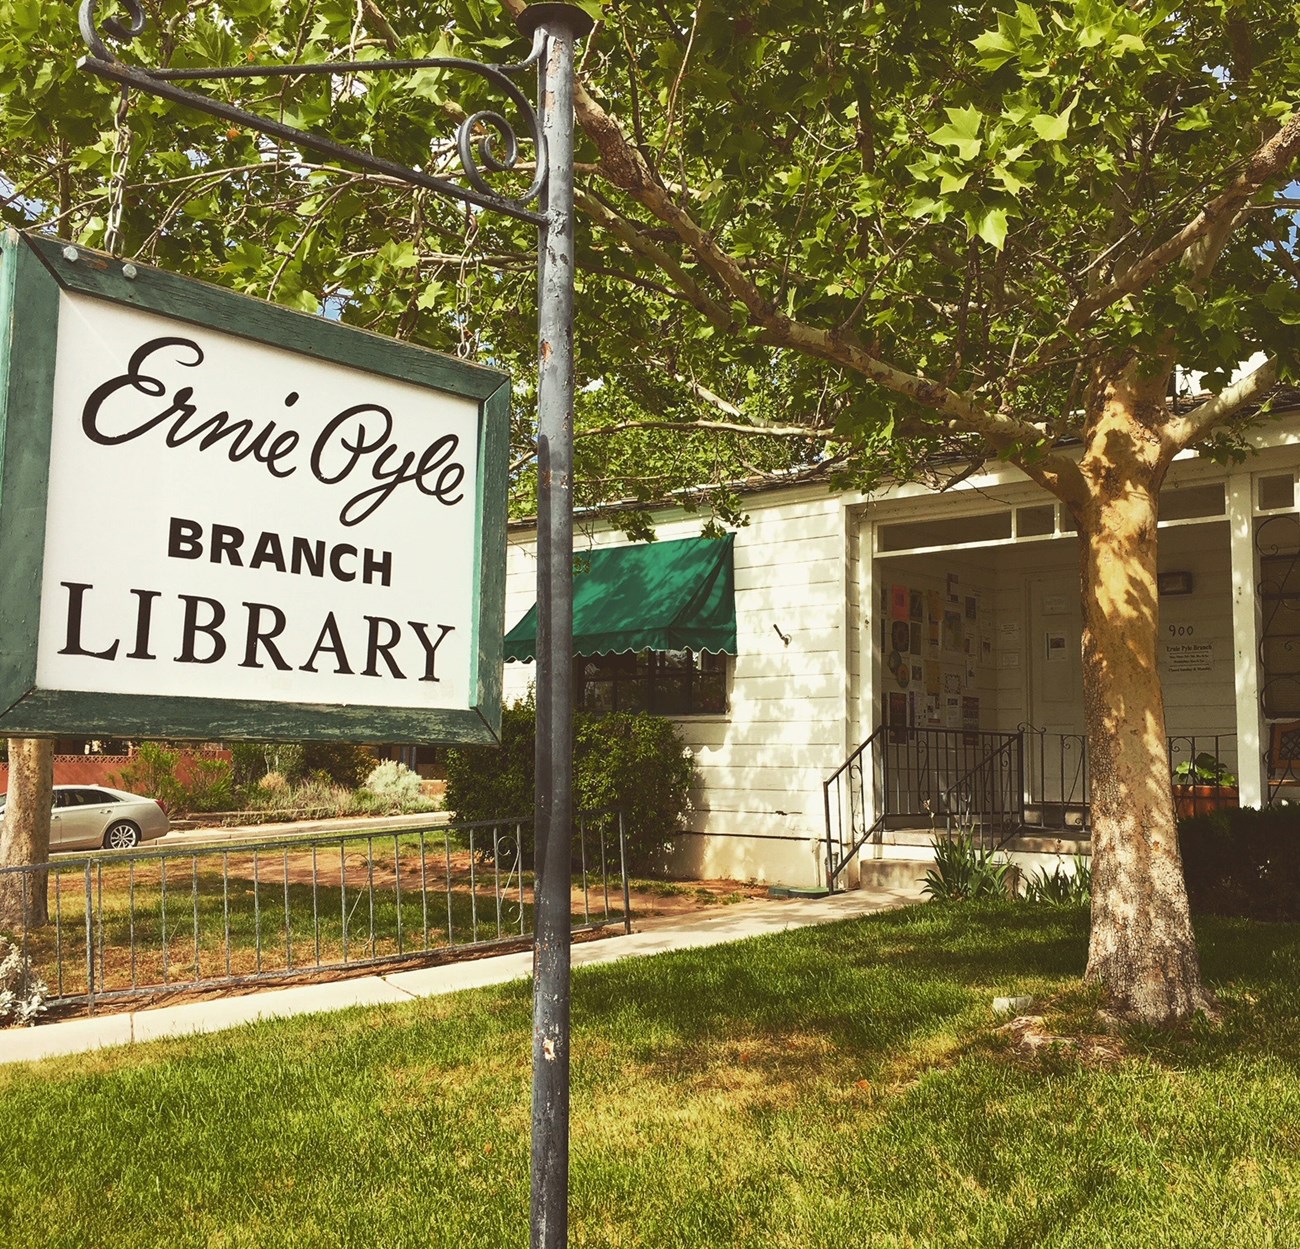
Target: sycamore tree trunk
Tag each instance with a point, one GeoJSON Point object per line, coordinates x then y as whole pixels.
{"type": "Point", "coordinates": [25, 833]}
{"type": "Point", "coordinates": [1142, 949]}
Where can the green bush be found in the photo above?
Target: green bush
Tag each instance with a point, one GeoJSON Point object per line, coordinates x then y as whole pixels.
{"type": "Point", "coordinates": [152, 772]}
{"type": "Point", "coordinates": [636, 764]}
{"type": "Point", "coordinates": [495, 782]}
{"type": "Point", "coordinates": [1059, 887]}
{"type": "Point", "coordinates": [963, 872]}
{"type": "Point", "coordinates": [1243, 862]}
{"type": "Point", "coordinates": [253, 760]}
{"type": "Point", "coordinates": [182, 784]}
{"type": "Point", "coordinates": [336, 763]}
{"type": "Point", "coordinates": [208, 787]}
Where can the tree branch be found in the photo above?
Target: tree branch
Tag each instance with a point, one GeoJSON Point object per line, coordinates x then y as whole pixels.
{"type": "Point", "coordinates": [689, 427]}
{"type": "Point", "coordinates": [1209, 227]}
{"type": "Point", "coordinates": [626, 168]}
{"type": "Point", "coordinates": [1191, 427]}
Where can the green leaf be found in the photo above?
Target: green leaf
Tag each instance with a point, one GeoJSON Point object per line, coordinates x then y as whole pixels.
{"type": "Point", "coordinates": [992, 227]}
{"type": "Point", "coordinates": [1187, 298]}
{"type": "Point", "coordinates": [1054, 128]}
{"type": "Point", "coordinates": [397, 255]}
{"type": "Point", "coordinates": [995, 49]}
{"type": "Point", "coordinates": [961, 132]}
{"type": "Point", "coordinates": [952, 182]}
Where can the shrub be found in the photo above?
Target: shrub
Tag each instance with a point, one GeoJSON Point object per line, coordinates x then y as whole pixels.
{"type": "Point", "coordinates": [152, 772]}
{"type": "Point", "coordinates": [963, 872]}
{"type": "Point", "coordinates": [1243, 862]}
{"type": "Point", "coordinates": [181, 783]}
{"type": "Point", "coordinates": [273, 783]}
{"type": "Point", "coordinates": [636, 764]}
{"type": "Point", "coordinates": [312, 800]}
{"type": "Point", "coordinates": [492, 782]}
{"type": "Point", "coordinates": [22, 993]}
{"type": "Point", "coordinates": [633, 763]}
{"type": "Point", "coordinates": [1059, 887]}
{"type": "Point", "coordinates": [394, 781]}
{"type": "Point", "coordinates": [339, 763]}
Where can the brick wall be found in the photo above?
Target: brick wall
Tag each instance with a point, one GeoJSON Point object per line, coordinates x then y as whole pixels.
{"type": "Point", "coordinates": [101, 769]}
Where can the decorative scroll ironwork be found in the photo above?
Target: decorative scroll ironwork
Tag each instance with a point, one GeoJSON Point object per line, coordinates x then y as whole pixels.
{"type": "Point", "coordinates": [1277, 548]}
{"type": "Point", "coordinates": [1058, 787]}
{"type": "Point", "coordinates": [485, 141]}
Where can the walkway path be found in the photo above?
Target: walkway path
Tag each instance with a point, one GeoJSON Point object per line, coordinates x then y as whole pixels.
{"type": "Point", "coordinates": [302, 828]}
{"type": "Point", "coordinates": [651, 936]}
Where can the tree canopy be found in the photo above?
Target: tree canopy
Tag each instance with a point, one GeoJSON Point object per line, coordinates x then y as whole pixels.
{"type": "Point", "coordinates": [965, 203]}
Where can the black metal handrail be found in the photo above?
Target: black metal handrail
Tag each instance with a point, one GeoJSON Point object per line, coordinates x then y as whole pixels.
{"type": "Point", "coordinates": [993, 786]}
{"type": "Point", "coordinates": [988, 802]}
{"type": "Point", "coordinates": [930, 774]}
{"type": "Point", "coordinates": [847, 783]}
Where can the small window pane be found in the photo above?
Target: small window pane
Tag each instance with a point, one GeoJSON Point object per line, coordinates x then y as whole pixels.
{"type": "Point", "coordinates": [666, 683]}
{"type": "Point", "coordinates": [1033, 522]}
{"type": "Point", "coordinates": [1276, 493]}
{"type": "Point", "coordinates": [957, 531]}
{"type": "Point", "coordinates": [1187, 502]}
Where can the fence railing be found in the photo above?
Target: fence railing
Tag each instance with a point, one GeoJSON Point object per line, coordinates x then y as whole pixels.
{"type": "Point", "coordinates": [994, 785]}
{"type": "Point", "coordinates": [117, 924]}
{"type": "Point", "coordinates": [905, 776]}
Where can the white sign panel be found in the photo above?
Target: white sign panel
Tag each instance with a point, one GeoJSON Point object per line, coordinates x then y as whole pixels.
{"type": "Point", "coordinates": [221, 518]}
{"type": "Point", "coordinates": [1189, 656]}
{"type": "Point", "coordinates": [229, 520]}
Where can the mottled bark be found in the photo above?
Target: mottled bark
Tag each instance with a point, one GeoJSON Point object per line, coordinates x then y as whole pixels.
{"type": "Point", "coordinates": [25, 832]}
{"type": "Point", "coordinates": [1143, 949]}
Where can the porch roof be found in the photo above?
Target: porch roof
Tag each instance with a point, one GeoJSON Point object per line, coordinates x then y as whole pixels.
{"type": "Point", "coordinates": [660, 596]}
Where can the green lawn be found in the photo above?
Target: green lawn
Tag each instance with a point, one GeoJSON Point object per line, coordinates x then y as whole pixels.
{"type": "Point", "coordinates": [840, 1086]}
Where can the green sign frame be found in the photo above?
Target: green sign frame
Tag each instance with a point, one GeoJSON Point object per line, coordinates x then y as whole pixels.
{"type": "Point", "coordinates": [33, 271]}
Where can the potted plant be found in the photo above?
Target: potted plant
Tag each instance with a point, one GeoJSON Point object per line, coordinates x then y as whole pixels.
{"type": "Point", "coordinates": [1202, 784]}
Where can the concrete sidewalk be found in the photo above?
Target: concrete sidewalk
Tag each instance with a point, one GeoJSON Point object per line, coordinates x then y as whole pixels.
{"type": "Point", "coordinates": [652, 936]}
{"type": "Point", "coordinates": [216, 835]}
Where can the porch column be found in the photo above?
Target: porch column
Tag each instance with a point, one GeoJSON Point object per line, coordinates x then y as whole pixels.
{"type": "Point", "coordinates": [1251, 781]}
{"type": "Point", "coordinates": [869, 659]}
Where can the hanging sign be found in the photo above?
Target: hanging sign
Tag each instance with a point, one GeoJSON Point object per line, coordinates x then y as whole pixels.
{"type": "Point", "coordinates": [224, 519]}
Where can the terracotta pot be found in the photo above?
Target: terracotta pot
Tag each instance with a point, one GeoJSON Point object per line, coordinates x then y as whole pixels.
{"type": "Point", "coordinates": [1192, 800]}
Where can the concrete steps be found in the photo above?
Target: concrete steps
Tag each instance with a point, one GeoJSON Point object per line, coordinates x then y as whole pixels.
{"type": "Point", "coordinates": [903, 856]}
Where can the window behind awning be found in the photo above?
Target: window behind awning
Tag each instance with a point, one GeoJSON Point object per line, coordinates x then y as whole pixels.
{"type": "Point", "coordinates": [658, 596]}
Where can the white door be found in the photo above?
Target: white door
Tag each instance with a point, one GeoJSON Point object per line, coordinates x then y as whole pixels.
{"type": "Point", "coordinates": [1054, 756]}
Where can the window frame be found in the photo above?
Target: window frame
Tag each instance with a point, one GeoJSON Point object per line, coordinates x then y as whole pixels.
{"type": "Point", "coordinates": [648, 671]}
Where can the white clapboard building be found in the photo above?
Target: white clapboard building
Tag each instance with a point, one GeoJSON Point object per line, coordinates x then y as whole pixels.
{"type": "Point", "coordinates": [910, 660]}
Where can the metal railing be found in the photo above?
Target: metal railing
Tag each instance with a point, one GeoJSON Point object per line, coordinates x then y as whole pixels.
{"type": "Point", "coordinates": [951, 777]}
{"type": "Point", "coordinates": [1057, 781]}
{"type": "Point", "coordinates": [247, 912]}
{"type": "Point", "coordinates": [845, 795]}
{"type": "Point", "coordinates": [996, 785]}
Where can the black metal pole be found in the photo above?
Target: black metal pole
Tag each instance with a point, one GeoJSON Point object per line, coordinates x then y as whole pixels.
{"type": "Point", "coordinates": [561, 25]}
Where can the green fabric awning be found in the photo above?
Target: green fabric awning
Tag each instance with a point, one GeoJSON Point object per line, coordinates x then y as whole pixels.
{"type": "Point", "coordinates": [659, 596]}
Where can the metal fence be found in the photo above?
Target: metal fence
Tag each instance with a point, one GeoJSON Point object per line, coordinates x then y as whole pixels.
{"type": "Point", "coordinates": [246, 912]}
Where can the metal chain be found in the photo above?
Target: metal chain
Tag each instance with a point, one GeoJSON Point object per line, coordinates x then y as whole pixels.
{"type": "Point", "coordinates": [467, 347]}
{"type": "Point", "coordinates": [117, 171]}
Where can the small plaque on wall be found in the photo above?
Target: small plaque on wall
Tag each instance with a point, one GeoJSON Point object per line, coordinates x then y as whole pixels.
{"type": "Point", "coordinates": [1174, 582]}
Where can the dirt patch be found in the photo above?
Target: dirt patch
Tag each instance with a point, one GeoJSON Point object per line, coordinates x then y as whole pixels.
{"type": "Point", "coordinates": [1030, 1042]}
{"type": "Point", "coordinates": [652, 898]}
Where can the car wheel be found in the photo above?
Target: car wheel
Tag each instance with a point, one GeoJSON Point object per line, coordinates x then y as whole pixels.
{"type": "Point", "coordinates": [121, 835]}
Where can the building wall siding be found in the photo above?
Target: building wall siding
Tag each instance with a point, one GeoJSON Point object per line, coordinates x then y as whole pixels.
{"type": "Point", "coordinates": [758, 809]}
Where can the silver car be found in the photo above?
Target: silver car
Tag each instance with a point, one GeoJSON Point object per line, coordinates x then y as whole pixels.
{"type": "Point", "coordinates": [86, 817]}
